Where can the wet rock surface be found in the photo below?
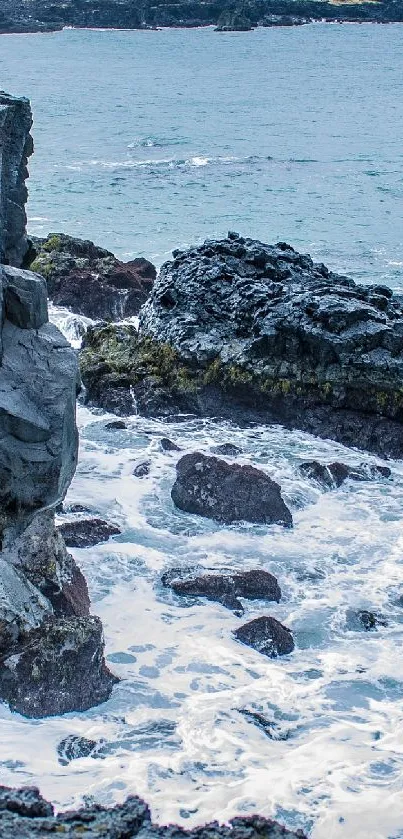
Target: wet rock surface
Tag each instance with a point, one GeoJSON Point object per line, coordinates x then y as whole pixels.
{"type": "Point", "coordinates": [225, 588]}
{"type": "Point", "coordinates": [74, 747]}
{"type": "Point", "coordinates": [252, 332]}
{"type": "Point", "coordinates": [51, 649]}
{"type": "Point", "coordinates": [227, 492]}
{"type": "Point", "coordinates": [90, 280]}
{"type": "Point", "coordinates": [57, 667]}
{"type": "Point", "coordinates": [266, 635]}
{"type": "Point", "coordinates": [333, 475]}
{"type": "Point", "coordinates": [84, 533]}
{"type": "Point", "coordinates": [364, 619]}
{"type": "Point", "coordinates": [25, 814]}
{"type": "Point", "coordinates": [16, 146]}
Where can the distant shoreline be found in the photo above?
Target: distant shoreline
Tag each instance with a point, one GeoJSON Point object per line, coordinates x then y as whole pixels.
{"type": "Point", "coordinates": [224, 15]}
{"type": "Point", "coordinates": [51, 31]}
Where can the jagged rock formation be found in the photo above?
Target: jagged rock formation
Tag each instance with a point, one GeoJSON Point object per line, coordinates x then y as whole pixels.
{"type": "Point", "coordinates": [252, 331]}
{"type": "Point", "coordinates": [51, 649]}
{"type": "Point", "coordinates": [15, 148]}
{"type": "Point", "coordinates": [24, 814]}
{"type": "Point", "coordinates": [234, 21]}
{"type": "Point", "coordinates": [47, 15]}
{"type": "Point", "coordinates": [90, 280]}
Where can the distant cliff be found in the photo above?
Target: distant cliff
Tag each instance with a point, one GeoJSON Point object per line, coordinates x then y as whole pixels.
{"type": "Point", "coordinates": [49, 15]}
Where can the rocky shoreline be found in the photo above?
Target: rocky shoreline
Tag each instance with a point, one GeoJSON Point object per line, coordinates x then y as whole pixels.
{"type": "Point", "coordinates": [25, 814]}
{"type": "Point", "coordinates": [258, 333]}
{"type": "Point", "coordinates": [47, 16]}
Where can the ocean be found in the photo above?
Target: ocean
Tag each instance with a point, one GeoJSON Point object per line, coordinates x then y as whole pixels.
{"type": "Point", "coordinates": [147, 141]}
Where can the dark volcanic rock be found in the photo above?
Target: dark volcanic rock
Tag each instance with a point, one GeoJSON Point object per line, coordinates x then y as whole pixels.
{"type": "Point", "coordinates": [90, 280]}
{"type": "Point", "coordinates": [268, 726]}
{"type": "Point", "coordinates": [225, 588]}
{"type": "Point", "coordinates": [248, 331]}
{"type": "Point", "coordinates": [74, 747]}
{"type": "Point", "coordinates": [59, 668]}
{"type": "Point", "coordinates": [15, 148]}
{"type": "Point", "coordinates": [168, 445]}
{"type": "Point", "coordinates": [227, 450]}
{"type": "Point", "coordinates": [51, 649]}
{"type": "Point", "coordinates": [26, 802]}
{"type": "Point", "coordinates": [266, 635]}
{"type": "Point", "coordinates": [84, 533]}
{"type": "Point", "coordinates": [142, 469]}
{"type": "Point", "coordinates": [333, 475]}
{"type": "Point", "coordinates": [364, 619]}
{"type": "Point", "coordinates": [116, 425]}
{"type": "Point", "coordinates": [24, 815]}
{"type": "Point", "coordinates": [227, 492]}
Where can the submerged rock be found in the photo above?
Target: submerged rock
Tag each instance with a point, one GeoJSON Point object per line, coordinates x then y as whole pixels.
{"type": "Point", "coordinates": [74, 747]}
{"type": "Point", "coordinates": [116, 425]}
{"type": "Point", "coordinates": [227, 450]}
{"type": "Point", "coordinates": [333, 475]}
{"type": "Point", "coordinates": [254, 332]}
{"type": "Point", "coordinates": [84, 533]}
{"type": "Point", "coordinates": [266, 635]}
{"type": "Point", "coordinates": [363, 619]}
{"type": "Point", "coordinates": [227, 492]}
{"type": "Point", "coordinates": [268, 726]}
{"type": "Point", "coordinates": [24, 814]}
{"type": "Point", "coordinates": [225, 588]}
{"type": "Point", "coordinates": [142, 469]}
{"type": "Point", "coordinates": [90, 280]}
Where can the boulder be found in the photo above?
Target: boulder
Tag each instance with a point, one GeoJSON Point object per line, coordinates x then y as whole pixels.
{"type": "Point", "coordinates": [90, 280]}
{"type": "Point", "coordinates": [57, 668]}
{"type": "Point", "coordinates": [266, 635]}
{"type": "Point", "coordinates": [333, 475]}
{"type": "Point", "coordinates": [254, 332]}
{"type": "Point", "coordinates": [227, 492]}
{"type": "Point", "coordinates": [24, 814]}
{"type": "Point", "coordinates": [15, 148]}
{"type": "Point", "coordinates": [84, 533]}
{"type": "Point", "coordinates": [225, 588]}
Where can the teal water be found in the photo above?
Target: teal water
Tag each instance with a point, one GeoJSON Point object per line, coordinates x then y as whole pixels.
{"type": "Point", "coordinates": [151, 140]}
{"type": "Point", "coordinates": [146, 141]}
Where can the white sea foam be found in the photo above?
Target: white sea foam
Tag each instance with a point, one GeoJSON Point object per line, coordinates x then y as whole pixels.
{"type": "Point", "coordinates": [172, 730]}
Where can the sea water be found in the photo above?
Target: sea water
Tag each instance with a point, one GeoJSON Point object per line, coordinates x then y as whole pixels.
{"type": "Point", "coordinates": [151, 140]}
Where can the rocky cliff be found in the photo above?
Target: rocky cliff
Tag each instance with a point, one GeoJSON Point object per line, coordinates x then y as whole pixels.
{"type": "Point", "coordinates": [15, 148]}
{"type": "Point", "coordinates": [51, 649]}
{"type": "Point", "coordinates": [251, 331]}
